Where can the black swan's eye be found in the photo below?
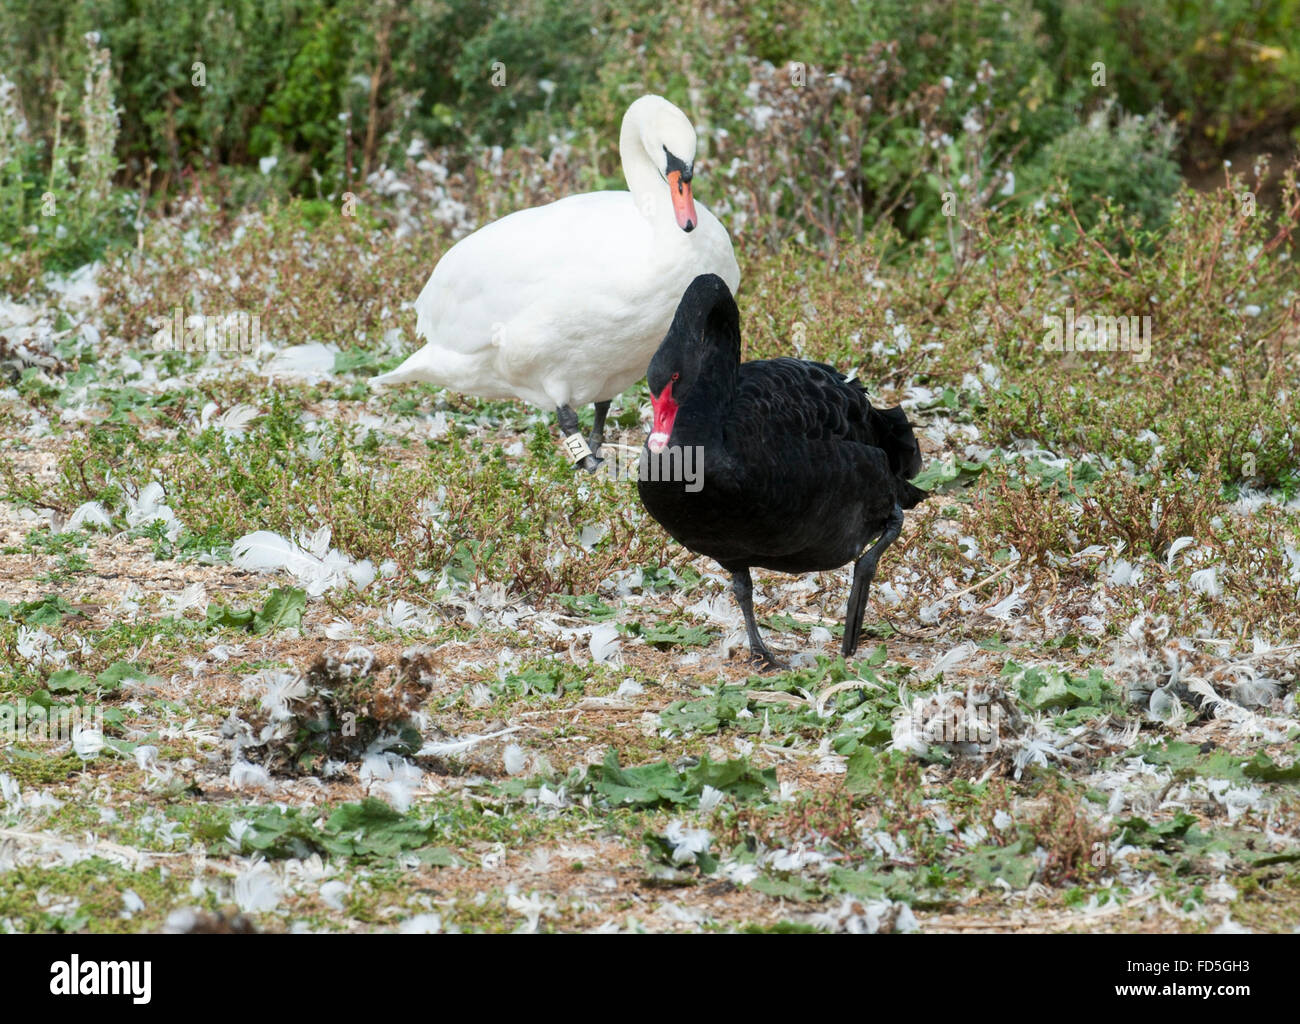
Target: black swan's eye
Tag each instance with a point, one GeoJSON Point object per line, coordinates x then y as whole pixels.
{"type": "Point", "coordinates": [676, 376]}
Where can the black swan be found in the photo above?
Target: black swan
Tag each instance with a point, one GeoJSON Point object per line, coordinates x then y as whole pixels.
{"type": "Point", "coordinates": [793, 468]}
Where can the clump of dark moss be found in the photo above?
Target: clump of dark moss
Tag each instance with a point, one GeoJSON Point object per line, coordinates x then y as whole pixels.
{"type": "Point", "coordinates": [337, 712]}
{"type": "Point", "coordinates": [378, 702]}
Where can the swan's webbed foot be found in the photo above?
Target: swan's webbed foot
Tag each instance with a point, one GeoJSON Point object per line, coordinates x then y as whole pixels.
{"type": "Point", "coordinates": [764, 659]}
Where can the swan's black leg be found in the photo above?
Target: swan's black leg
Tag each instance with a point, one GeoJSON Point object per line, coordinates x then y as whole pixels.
{"type": "Point", "coordinates": [568, 427]}
{"type": "Point", "coordinates": [743, 587]}
{"type": "Point", "coordinates": [864, 571]}
{"type": "Point", "coordinates": [597, 436]}
{"type": "Point", "coordinates": [568, 420]}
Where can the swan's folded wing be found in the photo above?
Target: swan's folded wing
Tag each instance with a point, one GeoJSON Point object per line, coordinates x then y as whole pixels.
{"type": "Point", "coordinates": [793, 399]}
{"type": "Point", "coordinates": [581, 246]}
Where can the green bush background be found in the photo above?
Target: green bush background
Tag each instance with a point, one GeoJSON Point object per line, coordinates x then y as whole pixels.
{"type": "Point", "coordinates": [334, 89]}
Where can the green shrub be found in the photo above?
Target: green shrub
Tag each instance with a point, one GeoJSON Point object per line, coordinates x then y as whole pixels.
{"type": "Point", "coordinates": [63, 205]}
{"type": "Point", "coordinates": [1226, 71]}
{"type": "Point", "coordinates": [1127, 158]}
{"type": "Point", "coordinates": [967, 98]}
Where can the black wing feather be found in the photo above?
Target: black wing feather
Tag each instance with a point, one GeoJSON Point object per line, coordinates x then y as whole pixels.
{"type": "Point", "coordinates": [788, 398]}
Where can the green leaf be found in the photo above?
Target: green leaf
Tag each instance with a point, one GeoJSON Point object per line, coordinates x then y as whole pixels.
{"type": "Point", "coordinates": [1187, 759]}
{"type": "Point", "coordinates": [678, 634]}
{"type": "Point", "coordinates": [861, 771]}
{"type": "Point", "coordinates": [463, 566]}
{"type": "Point", "coordinates": [218, 616]}
{"type": "Point", "coordinates": [369, 829]}
{"type": "Point", "coordinates": [117, 673]}
{"type": "Point", "coordinates": [704, 716]}
{"type": "Point", "coordinates": [663, 578]}
{"type": "Point", "coordinates": [1137, 831]}
{"type": "Point", "coordinates": [792, 888]}
{"type": "Point", "coordinates": [737, 778]}
{"type": "Point", "coordinates": [645, 786]}
{"type": "Point", "coordinates": [1075, 700]}
{"type": "Point", "coordinates": [1080, 473]}
{"type": "Point", "coordinates": [47, 611]}
{"type": "Point", "coordinates": [660, 851]}
{"type": "Point", "coordinates": [783, 623]}
{"type": "Point", "coordinates": [865, 884]}
{"type": "Point", "coordinates": [1014, 864]}
{"type": "Point", "coordinates": [1263, 858]}
{"type": "Point", "coordinates": [1047, 687]}
{"type": "Point", "coordinates": [283, 610]}
{"type": "Point", "coordinates": [354, 359]}
{"type": "Point", "coordinates": [1262, 767]}
{"type": "Point", "coordinates": [549, 679]}
{"type": "Point", "coordinates": [1175, 754]}
{"type": "Point", "coordinates": [660, 784]}
{"type": "Point", "coordinates": [869, 883]}
{"type": "Point", "coordinates": [69, 681]}
{"type": "Point", "coordinates": [939, 477]}
{"type": "Point", "coordinates": [588, 606]}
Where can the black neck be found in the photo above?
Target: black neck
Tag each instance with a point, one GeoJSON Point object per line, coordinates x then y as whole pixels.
{"type": "Point", "coordinates": [708, 406]}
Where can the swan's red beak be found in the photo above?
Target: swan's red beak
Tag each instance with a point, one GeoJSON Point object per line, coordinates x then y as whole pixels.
{"type": "Point", "coordinates": [683, 202]}
{"type": "Point", "coordinates": [665, 410]}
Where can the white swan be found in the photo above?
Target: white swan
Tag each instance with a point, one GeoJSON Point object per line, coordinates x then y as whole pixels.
{"type": "Point", "coordinates": [565, 304]}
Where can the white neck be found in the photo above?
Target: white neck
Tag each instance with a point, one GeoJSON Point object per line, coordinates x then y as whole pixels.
{"type": "Point", "coordinates": [648, 188]}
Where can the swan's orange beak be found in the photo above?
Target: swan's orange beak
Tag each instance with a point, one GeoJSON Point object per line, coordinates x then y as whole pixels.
{"type": "Point", "coordinates": [683, 202]}
{"type": "Point", "coordinates": [665, 410]}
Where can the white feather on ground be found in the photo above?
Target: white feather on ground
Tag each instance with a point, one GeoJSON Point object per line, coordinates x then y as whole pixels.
{"type": "Point", "coordinates": [314, 359]}
{"type": "Point", "coordinates": [318, 567]}
{"type": "Point", "coordinates": [91, 514]}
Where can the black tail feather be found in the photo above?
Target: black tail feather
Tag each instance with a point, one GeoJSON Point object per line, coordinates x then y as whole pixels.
{"type": "Point", "coordinates": [895, 437]}
{"type": "Point", "coordinates": [909, 496]}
